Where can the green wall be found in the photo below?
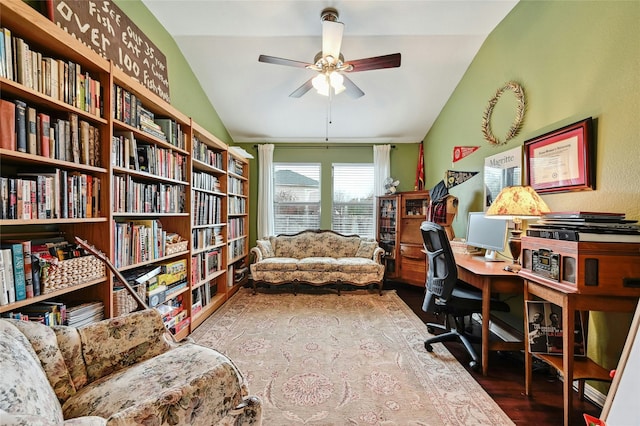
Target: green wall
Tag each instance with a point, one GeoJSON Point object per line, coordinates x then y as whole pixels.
{"type": "Point", "coordinates": [185, 89]}
{"type": "Point", "coordinates": [404, 160]}
{"type": "Point", "coordinates": [575, 59]}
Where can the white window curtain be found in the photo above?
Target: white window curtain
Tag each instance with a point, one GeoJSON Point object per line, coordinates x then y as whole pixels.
{"type": "Point", "coordinates": [265, 225]}
{"type": "Point", "coordinates": [381, 171]}
{"type": "Point", "coordinates": [381, 167]}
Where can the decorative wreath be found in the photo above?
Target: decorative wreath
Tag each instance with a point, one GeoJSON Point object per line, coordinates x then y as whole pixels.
{"type": "Point", "coordinates": [517, 122]}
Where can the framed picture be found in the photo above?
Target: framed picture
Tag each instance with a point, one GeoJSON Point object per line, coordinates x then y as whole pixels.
{"type": "Point", "coordinates": [501, 170]}
{"type": "Point", "coordinates": [561, 160]}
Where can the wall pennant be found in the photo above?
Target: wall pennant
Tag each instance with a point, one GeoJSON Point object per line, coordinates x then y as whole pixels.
{"type": "Point", "coordinates": [454, 178]}
{"type": "Point", "coordinates": [459, 152]}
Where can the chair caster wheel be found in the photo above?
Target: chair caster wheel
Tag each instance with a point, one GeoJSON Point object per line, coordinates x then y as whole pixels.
{"type": "Point", "coordinates": [430, 329]}
{"type": "Point", "coordinates": [428, 347]}
{"type": "Point", "coordinates": [473, 365]}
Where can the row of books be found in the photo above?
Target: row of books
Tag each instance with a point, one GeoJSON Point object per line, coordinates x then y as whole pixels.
{"type": "Point", "coordinates": [205, 181]}
{"type": "Point", "coordinates": [586, 226]}
{"type": "Point", "coordinates": [236, 186]}
{"type": "Point", "coordinates": [204, 264]}
{"type": "Point", "coordinates": [25, 129]}
{"type": "Point", "coordinates": [131, 196]}
{"type": "Point", "coordinates": [127, 153]}
{"type": "Point", "coordinates": [57, 78]}
{"type": "Point", "coordinates": [202, 296]}
{"type": "Point", "coordinates": [207, 237]}
{"type": "Point", "coordinates": [236, 248]}
{"type": "Point", "coordinates": [237, 205]}
{"type": "Point", "coordinates": [204, 153]}
{"type": "Point", "coordinates": [139, 241]}
{"type": "Point", "coordinates": [235, 228]}
{"type": "Point", "coordinates": [49, 194]}
{"type": "Point", "coordinates": [235, 166]}
{"type": "Point", "coordinates": [206, 209]}
{"type": "Point", "coordinates": [24, 265]}
{"type": "Point", "coordinates": [128, 109]}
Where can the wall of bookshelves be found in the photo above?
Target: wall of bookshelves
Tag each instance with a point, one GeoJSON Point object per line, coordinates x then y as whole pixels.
{"type": "Point", "coordinates": [118, 167]}
{"type": "Point", "coordinates": [238, 222]}
{"type": "Point", "coordinates": [209, 205]}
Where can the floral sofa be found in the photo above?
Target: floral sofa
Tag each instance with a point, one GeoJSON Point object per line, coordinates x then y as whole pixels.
{"type": "Point", "coordinates": [121, 371]}
{"type": "Point", "coordinates": [317, 257]}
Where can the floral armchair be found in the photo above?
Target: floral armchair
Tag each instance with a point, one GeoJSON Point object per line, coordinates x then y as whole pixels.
{"type": "Point", "coordinates": [121, 371]}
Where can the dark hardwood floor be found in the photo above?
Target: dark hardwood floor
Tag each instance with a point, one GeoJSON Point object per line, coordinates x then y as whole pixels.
{"type": "Point", "coordinates": [505, 379]}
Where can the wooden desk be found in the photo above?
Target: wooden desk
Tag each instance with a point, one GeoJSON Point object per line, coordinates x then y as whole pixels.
{"type": "Point", "coordinates": [571, 301]}
{"type": "Point", "coordinates": [490, 277]}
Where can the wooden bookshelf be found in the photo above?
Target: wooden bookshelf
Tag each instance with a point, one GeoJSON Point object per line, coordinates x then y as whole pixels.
{"type": "Point", "coordinates": [134, 159]}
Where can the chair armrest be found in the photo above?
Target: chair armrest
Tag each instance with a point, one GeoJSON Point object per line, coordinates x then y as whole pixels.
{"type": "Point", "coordinates": [113, 344]}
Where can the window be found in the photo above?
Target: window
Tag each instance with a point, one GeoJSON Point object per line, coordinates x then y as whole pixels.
{"type": "Point", "coordinates": [353, 199]}
{"type": "Point", "coordinates": [296, 197]}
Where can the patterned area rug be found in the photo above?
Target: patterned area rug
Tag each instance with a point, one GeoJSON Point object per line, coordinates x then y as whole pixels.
{"type": "Point", "coordinates": [355, 359]}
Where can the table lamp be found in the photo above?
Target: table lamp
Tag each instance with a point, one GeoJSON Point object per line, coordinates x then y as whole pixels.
{"type": "Point", "coordinates": [517, 203]}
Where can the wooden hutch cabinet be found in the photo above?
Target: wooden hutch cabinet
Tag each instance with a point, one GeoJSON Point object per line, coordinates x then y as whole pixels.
{"type": "Point", "coordinates": [399, 219]}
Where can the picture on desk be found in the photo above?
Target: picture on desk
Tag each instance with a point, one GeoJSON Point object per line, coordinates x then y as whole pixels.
{"type": "Point", "coordinates": [545, 329]}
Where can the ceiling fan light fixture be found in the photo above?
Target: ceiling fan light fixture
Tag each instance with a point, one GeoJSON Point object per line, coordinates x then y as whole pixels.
{"type": "Point", "coordinates": [321, 84]}
{"type": "Point", "coordinates": [337, 82]}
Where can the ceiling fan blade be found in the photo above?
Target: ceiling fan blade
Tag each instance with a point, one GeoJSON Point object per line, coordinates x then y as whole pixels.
{"type": "Point", "coordinates": [331, 38]}
{"type": "Point", "coordinates": [302, 89]}
{"type": "Point", "coordinates": [351, 89]}
{"type": "Point", "coordinates": [282, 61]}
{"type": "Point", "coordinates": [375, 63]}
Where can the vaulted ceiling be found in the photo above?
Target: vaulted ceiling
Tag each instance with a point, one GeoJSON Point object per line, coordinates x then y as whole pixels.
{"type": "Point", "coordinates": [222, 40]}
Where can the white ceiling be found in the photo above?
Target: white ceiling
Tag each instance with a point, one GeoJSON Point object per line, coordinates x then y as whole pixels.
{"type": "Point", "coordinates": [222, 39]}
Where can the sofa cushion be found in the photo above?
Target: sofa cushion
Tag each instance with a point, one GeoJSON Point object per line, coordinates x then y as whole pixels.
{"type": "Point", "coordinates": [181, 386]}
{"type": "Point", "coordinates": [44, 342]}
{"type": "Point", "coordinates": [24, 388]}
{"type": "Point", "coordinates": [366, 249]}
{"type": "Point", "coordinates": [334, 245]}
{"type": "Point", "coordinates": [357, 264]}
{"type": "Point", "coordinates": [317, 264]}
{"type": "Point", "coordinates": [134, 338]}
{"type": "Point", "coordinates": [276, 264]}
{"type": "Point", "coordinates": [71, 348]}
{"type": "Point", "coordinates": [265, 248]}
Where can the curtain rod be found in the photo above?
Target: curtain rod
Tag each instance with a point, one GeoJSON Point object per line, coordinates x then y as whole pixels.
{"type": "Point", "coordinates": [358, 145]}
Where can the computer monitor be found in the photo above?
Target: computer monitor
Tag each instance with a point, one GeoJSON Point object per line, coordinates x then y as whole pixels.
{"type": "Point", "coordinates": [486, 233]}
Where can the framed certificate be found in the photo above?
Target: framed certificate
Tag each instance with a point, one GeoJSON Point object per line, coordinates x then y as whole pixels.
{"type": "Point", "coordinates": [561, 160]}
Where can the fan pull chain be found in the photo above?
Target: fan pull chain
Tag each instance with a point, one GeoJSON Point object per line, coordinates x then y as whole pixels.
{"type": "Point", "coordinates": [326, 139]}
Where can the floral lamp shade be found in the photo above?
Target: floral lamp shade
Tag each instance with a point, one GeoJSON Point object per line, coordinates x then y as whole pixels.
{"type": "Point", "coordinates": [517, 203]}
{"type": "Point", "coordinates": [521, 202]}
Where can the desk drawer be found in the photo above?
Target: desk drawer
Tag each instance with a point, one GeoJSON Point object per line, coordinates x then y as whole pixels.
{"type": "Point", "coordinates": [412, 251]}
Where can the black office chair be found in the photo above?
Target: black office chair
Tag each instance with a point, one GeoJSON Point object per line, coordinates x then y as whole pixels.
{"type": "Point", "coordinates": [446, 295]}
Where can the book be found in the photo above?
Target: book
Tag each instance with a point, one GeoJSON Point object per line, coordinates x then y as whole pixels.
{"type": "Point", "coordinates": [7, 258]}
{"type": "Point", "coordinates": [4, 293]}
{"type": "Point", "coordinates": [44, 122]}
{"type": "Point", "coordinates": [18, 269]}
{"type": "Point", "coordinates": [545, 330]}
{"type": "Point", "coordinates": [8, 120]}
{"type": "Point", "coordinates": [21, 126]}
{"type": "Point", "coordinates": [32, 137]}
{"type": "Point", "coordinates": [8, 52]}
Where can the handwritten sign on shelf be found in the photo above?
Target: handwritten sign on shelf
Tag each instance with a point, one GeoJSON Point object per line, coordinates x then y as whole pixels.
{"type": "Point", "coordinates": [103, 27]}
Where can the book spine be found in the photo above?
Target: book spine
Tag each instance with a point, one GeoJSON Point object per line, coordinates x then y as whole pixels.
{"type": "Point", "coordinates": [8, 120]}
{"type": "Point", "coordinates": [7, 257]}
{"type": "Point", "coordinates": [32, 141]}
{"type": "Point", "coordinates": [18, 271]}
{"type": "Point", "coordinates": [21, 126]}
{"type": "Point", "coordinates": [4, 292]}
{"type": "Point", "coordinates": [28, 272]}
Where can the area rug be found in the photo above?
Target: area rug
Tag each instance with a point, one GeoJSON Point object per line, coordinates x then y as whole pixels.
{"type": "Point", "coordinates": [354, 359]}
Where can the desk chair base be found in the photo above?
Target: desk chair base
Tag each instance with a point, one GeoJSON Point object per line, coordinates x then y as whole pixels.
{"type": "Point", "coordinates": [452, 335]}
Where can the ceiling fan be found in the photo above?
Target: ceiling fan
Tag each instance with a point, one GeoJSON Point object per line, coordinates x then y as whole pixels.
{"type": "Point", "coordinates": [330, 63]}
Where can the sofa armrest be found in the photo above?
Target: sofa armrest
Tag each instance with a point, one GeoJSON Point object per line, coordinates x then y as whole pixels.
{"type": "Point", "coordinates": [113, 344]}
{"type": "Point", "coordinates": [377, 255]}
{"type": "Point", "coordinates": [257, 254]}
